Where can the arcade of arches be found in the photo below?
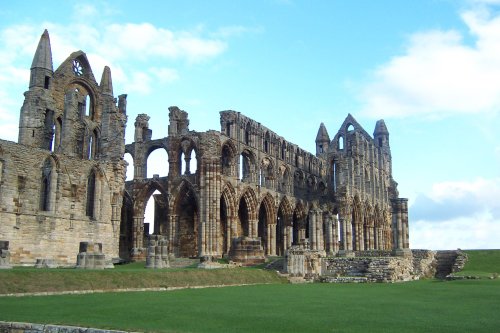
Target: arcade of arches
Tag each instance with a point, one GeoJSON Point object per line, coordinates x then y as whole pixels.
{"type": "Point", "coordinates": [246, 181]}
{"type": "Point", "coordinates": [64, 182]}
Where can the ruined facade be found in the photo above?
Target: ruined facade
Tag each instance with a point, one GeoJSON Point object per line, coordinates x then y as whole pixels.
{"type": "Point", "coordinates": [64, 182]}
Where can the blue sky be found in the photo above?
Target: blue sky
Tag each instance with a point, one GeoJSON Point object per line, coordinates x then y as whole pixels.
{"type": "Point", "coordinates": [430, 68]}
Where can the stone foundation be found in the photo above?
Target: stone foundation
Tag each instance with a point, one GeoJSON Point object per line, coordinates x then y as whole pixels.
{"type": "Point", "coordinates": [247, 251]}
{"type": "Point", "coordinates": [303, 262]}
{"type": "Point", "coordinates": [91, 256]}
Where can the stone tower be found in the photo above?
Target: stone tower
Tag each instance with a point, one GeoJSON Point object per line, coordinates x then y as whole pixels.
{"type": "Point", "coordinates": [36, 123]}
{"type": "Point", "coordinates": [322, 140]}
{"type": "Point", "coordinates": [63, 182]}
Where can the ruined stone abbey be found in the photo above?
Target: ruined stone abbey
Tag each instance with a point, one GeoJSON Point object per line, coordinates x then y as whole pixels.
{"type": "Point", "coordinates": [252, 194]}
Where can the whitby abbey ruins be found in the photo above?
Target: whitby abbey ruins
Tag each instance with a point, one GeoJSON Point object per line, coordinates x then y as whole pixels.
{"type": "Point", "coordinates": [252, 195]}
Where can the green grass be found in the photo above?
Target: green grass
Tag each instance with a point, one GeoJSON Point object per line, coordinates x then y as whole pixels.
{"type": "Point", "coordinates": [25, 280]}
{"type": "Point", "coordinates": [420, 306]}
{"type": "Point", "coordinates": [482, 263]}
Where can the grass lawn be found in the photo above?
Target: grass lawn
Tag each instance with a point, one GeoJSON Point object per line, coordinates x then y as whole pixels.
{"type": "Point", "coordinates": [482, 263]}
{"type": "Point", "coordinates": [420, 306]}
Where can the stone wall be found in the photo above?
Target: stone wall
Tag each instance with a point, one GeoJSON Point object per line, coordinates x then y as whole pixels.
{"type": "Point", "coordinates": [424, 263]}
{"type": "Point", "coordinates": [381, 269]}
{"type": "Point", "coordinates": [14, 327]}
{"type": "Point", "coordinates": [55, 233]}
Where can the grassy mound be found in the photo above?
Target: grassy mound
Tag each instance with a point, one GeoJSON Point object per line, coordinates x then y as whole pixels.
{"type": "Point", "coordinates": [25, 280]}
{"type": "Point", "coordinates": [482, 263]}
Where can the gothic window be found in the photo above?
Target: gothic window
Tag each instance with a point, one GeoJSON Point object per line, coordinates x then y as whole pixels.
{"type": "Point", "coordinates": [266, 142]}
{"type": "Point", "coordinates": [45, 186]}
{"type": "Point", "coordinates": [58, 132]}
{"type": "Point", "coordinates": [47, 82]}
{"type": "Point", "coordinates": [77, 68]}
{"type": "Point", "coordinates": [341, 142]}
{"type": "Point", "coordinates": [228, 129]}
{"type": "Point", "coordinates": [91, 195]}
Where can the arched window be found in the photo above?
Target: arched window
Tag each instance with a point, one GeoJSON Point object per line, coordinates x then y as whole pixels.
{"type": "Point", "coordinates": [247, 134]}
{"type": "Point", "coordinates": [45, 186]}
{"type": "Point", "coordinates": [341, 142]}
{"type": "Point", "coordinates": [91, 195]}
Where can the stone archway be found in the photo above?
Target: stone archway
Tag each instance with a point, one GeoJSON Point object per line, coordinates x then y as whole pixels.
{"type": "Point", "coordinates": [187, 216]}
{"type": "Point", "coordinates": [227, 219]}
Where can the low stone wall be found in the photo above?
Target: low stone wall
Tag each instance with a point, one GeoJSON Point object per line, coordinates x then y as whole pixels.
{"type": "Point", "coordinates": [13, 327]}
{"type": "Point", "coordinates": [377, 269]}
{"type": "Point", "coordinates": [373, 253]}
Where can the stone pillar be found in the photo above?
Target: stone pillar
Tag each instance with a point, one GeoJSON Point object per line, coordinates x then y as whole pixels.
{"type": "Point", "coordinates": [272, 230]}
{"type": "Point", "coordinates": [335, 236]}
{"type": "Point", "coordinates": [348, 235]}
{"type": "Point", "coordinates": [328, 221]}
{"type": "Point", "coordinates": [289, 233]}
{"type": "Point", "coordinates": [138, 231]}
{"type": "Point", "coordinates": [312, 230]}
{"type": "Point", "coordinates": [172, 234]}
{"type": "Point", "coordinates": [187, 160]}
{"type": "Point", "coordinates": [320, 245]}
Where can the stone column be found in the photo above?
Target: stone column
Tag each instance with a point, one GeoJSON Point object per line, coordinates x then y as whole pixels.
{"type": "Point", "coordinates": [187, 160]}
{"type": "Point", "coordinates": [289, 233]}
{"type": "Point", "coordinates": [348, 235]}
{"type": "Point", "coordinates": [320, 245]}
{"type": "Point", "coordinates": [312, 230]}
{"type": "Point", "coordinates": [328, 236]}
{"type": "Point", "coordinates": [172, 234]}
{"type": "Point", "coordinates": [335, 236]}
{"type": "Point", "coordinates": [272, 230]}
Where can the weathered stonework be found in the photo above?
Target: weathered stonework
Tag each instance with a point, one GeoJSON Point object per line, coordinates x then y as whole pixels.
{"type": "Point", "coordinates": [157, 255]}
{"type": "Point", "coordinates": [63, 182]}
{"type": "Point", "coordinates": [249, 194]}
{"type": "Point", "coordinates": [90, 256]}
{"type": "Point", "coordinates": [4, 255]}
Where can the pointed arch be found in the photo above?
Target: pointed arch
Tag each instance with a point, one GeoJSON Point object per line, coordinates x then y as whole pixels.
{"type": "Point", "coordinates": [228, 158]}
{"type": "Point", "coordinates": [247, 213]}
{"type": "Point", "coordinates": [227, 217]}
{"type": "Point", "coordinates": [299, 223]}
{"type": "Point", "coordinates": [247, 166]}
{"type": "Point", "coordinates": [186, 216]}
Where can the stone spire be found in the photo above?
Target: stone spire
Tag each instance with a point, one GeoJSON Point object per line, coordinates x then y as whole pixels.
{"type": "Point", "coordinates": [106, 82]}
{"type": "Point", "coordinates": [322, 134]}
{"type": "Point", "coordinates": [41, 67]}
{"type": "Point", "coordinates": [322, 140]}
{"type": "Point", "coordinates": [43, 54]}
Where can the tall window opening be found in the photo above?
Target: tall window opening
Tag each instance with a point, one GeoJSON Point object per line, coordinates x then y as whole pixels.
{"type": "Point", "coordinates": [45, 186]}
{"type": "Point", "coordinates": [91, 195]}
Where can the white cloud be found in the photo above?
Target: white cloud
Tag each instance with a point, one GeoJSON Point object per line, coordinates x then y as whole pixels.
{"type": "Point", "coordinates": [440, 74]}
{"type": "Point", "coordinates": [481, 231]}
{"type": "Point", "coordinates": [457, 215]}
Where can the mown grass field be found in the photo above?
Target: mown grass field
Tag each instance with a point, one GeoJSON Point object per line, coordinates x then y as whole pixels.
{"type": "Point", "coordinates": [420, 306]}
